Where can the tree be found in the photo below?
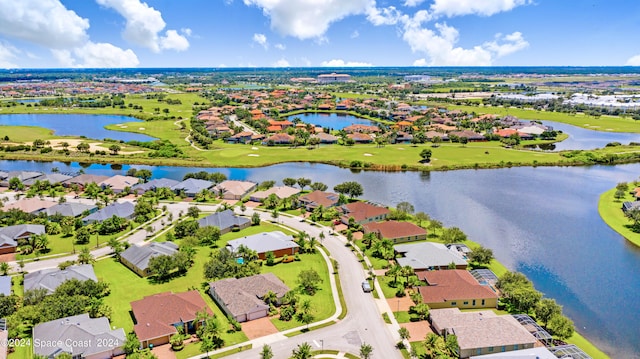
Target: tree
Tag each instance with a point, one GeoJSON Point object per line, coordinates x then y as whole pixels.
{"type": "Point", "coordinates": [302, 351]}
{"type": "Point", "coordinates": [83, 235]}
{"type": "Point", "coordinates": [404, 209]}
{"type": "Point", "coordinates": [255, 219]}
{"type": "Point", "coordinates": [421, 310]}
{"type": "Point", "coordinates": [464, 141]}
{"type": "Point", "coordinates": [208, 235]}
{"type": "Point", "coordinates": [92, 190]}
{"type": "Point", "coordinates": [404, 333]}
{"type": "Point", "coordinates": [453, 235]}
{"type": "Point", "coordinates": [546, 309]}
{"type": "Point", "coordinates": [15, 184]}
{"type": "Point", "coordinates": [366, 351]}
{"type": "Point", "coordinates": [186, 228]}
{"type": "Point", "coordinates": [309, 280]}
{"type": "Point", "coordinates": [319, 186]}
{"type": "Point", "coordinates": [421, 217]}
{"type": "Point", "coordinates": [193, 212]}
{"type": "Point", "coordinates": [425, 154]}
{"type": "Point", "coordinates": [271, 201]}
{"type": "Point", "coordinates": [266, 353]}
{"type": "Point", "coordinates": [83, 147]}
{"type": "Point", "coordinates": [289, 181]}
{"type": "Point", "coordinates": [351, 188]}
{"type": "Point", "coordinates": [436, 140]}
{"type": "Point", "coordinates": [161, 266]}
{"type": "Point", "coordinates": [481, 256]}
{"type": "Point", "coordinates": [131, 344]}
{"type": "Point", "coordinates": [4, 268]}
{"type": "Point", "coordinates": [85, 256]}
{"type": "Point", "coordinates": [561, 326]}
{"type": "Point", "coordinates": [303, 182]}
{"type": "Point", "coordinates": [115, 149]}
{"type": "Point", "coordinates": [116, 246]}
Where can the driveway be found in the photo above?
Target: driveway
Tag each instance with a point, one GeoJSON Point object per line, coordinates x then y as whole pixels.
{"type": "Point", "coordinates": [258, 328]}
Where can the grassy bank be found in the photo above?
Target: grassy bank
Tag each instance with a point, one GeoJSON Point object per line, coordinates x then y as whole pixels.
{"type": "Point", "coordinates": [611, 213]}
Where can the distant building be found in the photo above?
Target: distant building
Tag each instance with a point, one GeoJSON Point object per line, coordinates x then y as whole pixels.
{"type": "Point", "coordinates": [333, 77]}
{"type": "Point", "coordinates": [226, 221]}
{"type": "Point", "coordinates": [428, 256]}
{"type": "Point", "coordinates": [276, 242]}
{"type": "Point", "coordinates": [123, 210]}
{"type": "Point", "coordinates": [51, 278]}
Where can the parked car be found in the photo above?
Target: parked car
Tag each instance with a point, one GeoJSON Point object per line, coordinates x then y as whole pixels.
{"type": "Point", "coordinates": [366, 287]}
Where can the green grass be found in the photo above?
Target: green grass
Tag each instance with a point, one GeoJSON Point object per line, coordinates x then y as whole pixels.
{"type": "Point", "coordinates": [402, 317]}
{"type": "Point", "coordinates": [311, 327]}
{"type": "Point", "coordinates": [582, 343]}
{"type": "Point", "coordinates": [385, 317]}
{"type": "Point", "coordinates": [193, 349]}
{"type": "Point", "coordinates": [610, 210]}
{"type": "Point", "coordinates": [18, 134]}
{"type": "Point", "coordinates": [22, 351]}
{"type": "Point", "coordinates": [65, 245]}
{"type": "Point", "coordinates": [321, 303]}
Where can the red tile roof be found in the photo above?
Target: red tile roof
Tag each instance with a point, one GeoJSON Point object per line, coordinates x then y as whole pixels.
{"type": "Point", "coordinates": [394, 229]}
{"type": "Point", "coordinates": [453, 284]}
{"type": "Point", "coordinates": [156, 313]}
{"type": "Point", "coordinates": [360, 211]}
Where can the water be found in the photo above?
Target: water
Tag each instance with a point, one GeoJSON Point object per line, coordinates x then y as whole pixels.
{"type": "Point", "coordinates": [331, 120]}
{"type": "Point", "coordinates": [90, 126]}
{"type": "Point", "coordinates": [540, 221]}
{"type": "Point", "coordinates": [584, 139]}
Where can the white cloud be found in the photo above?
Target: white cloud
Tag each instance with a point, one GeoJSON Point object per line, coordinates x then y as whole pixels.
{"type": "Point", "coordinates": [143, 25]}
{"type": "Point", "coordinates": [281, 63]}
{"type": "Point", "coordinates": [43, 22]}
{"type": "Point", "coordinates": [342, 63]}
{"type": "Point", "coordinates": [105, 55]}
{"type": "Point", "coordinates": [261, 40]}
{"type": "Point", "coordinates": [452, 8]}
{"type": "Point", "coordinates": [280, 46]}
{"type": "Point", "coordinates": [633, 61]}
{"type": "Point", "coordinates": [511, 43]}
{"type": "Point", "coordinates": [420, 62]}
{"type": "Point", "coordinates": [412, 3]}
{"type": "Point", "coordinates": [63, 57]}
{"type": "Point", "coordinates": [7, 54]}
{"type": "Point", "coordinates": [307, 19]}
{"type": "Point", "coordinates": [187, 31]}
{"type": "Point", "coordinates": [355, 34]}
{"type": "Point", "coordinates": [384, 16]}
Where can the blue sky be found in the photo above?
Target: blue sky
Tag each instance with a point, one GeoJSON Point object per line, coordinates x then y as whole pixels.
{"type": "Point", "coordinates": [245, 33]}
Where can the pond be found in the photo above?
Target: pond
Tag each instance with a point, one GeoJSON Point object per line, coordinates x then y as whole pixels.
{"type": "Point", "coordinates": [584, 139]}
{"type": "Point", "coordinates": [90, 126]}
{"type": "Point", "coordinates": [335, 121]}
{"type": "Point", "coordinates": [540, 221]}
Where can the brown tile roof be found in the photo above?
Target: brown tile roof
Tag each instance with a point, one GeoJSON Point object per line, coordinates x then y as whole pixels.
{"type": "Point", "coordinates": [394, 229]}
{"type": "Point", "coordinates": [242, 295]}
{"type": "Point", "coordinates": [454, 284]}
{"type": "Point", "coordinates": [320, 198]}
{"type": "Point", "coordinates": [29, 205]}
{"type": "Point", "coordinates": [156, 313]}
{"type": "Point", "coordinates": [362, 210]}
{"type": "Point", "coordinates": [84, 179]}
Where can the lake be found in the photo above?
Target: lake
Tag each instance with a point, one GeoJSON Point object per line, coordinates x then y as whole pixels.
{"type": "Point", "coordinates": [90, 126]}
{"type": "Point", "coordinates": [541, 221]}
{"type": "Point", "coordinates": [334, 121]}
{"type": "Point", "coordinates": [584, 139]}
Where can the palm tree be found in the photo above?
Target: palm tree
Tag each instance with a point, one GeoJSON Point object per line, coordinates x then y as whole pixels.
{"type": "Point", "coordinates": [266, 352]}
{"type": "Point", "coordinates": [407, 271]}
{"type": "Point", "coordinates": [270, 298]}
{"type": "Point", "coordinates": [302, 351]}
{"type": "Point", "coordinates": [85, 256]}
{"type": "Point", "coordinates": [404, 333]}
{"type": "Point", "coordinates": [395, 272]}
{"type": "Point", "coordinates": [431, 344]}
{"type": "Point", "coordinates": [4, 268]}
{"type": "Point", "coordinates": [366, 351]}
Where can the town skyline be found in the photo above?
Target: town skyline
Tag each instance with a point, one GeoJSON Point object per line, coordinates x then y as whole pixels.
{"type": "Point", "coordinates": [290, 33]}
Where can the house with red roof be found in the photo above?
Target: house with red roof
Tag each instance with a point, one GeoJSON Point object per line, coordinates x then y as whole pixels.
{"type": "Point", "coordinates": [396, 231]}
{"type": "Point", "coordinates": [157, 316]}
{"type": "Point", "coordinates": [455, 288]}
{"type": "Point", "coordinates": [363, 212]}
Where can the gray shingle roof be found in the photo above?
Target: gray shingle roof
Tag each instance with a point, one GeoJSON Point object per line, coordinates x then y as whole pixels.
{"type": "Point", "coordinates": [192, 186]}
{"type": "Point", "coordinates": [242, 295]}
{"type": "Point", "coordinates": [5, 285]}
{"type": "Point", "coordinates": [153, 184]}
{"type": "Point", "coordinates": [264, 242]}
{"type": "Point", "coordinates": [69, 209]}
{"type": "Point", "coordinates": [139, 256]}
{"type": "Point", "coordinates": [84, 179]}
{"type": "Point", "coordinates": [8, 235]}
{"type": "Point", "coordinates": [52, 338]}
{"type": "Point", "coordinates": [223, 220]}
{"type": "Point", "coordinates": [51, 278]}
{"type": "Point", "coordinates": [52, 178]}
{"type": "Point", "coordinates": [123, 210]}
{"type": "Point", "coordinates": [426, 254]}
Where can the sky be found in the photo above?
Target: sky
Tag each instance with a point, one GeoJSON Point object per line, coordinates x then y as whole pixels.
{"type": "Point", "coordinates": [302, 33]}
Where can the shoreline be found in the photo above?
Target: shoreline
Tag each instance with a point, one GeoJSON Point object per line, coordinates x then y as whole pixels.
{"type": "Point", "coordinates": [614, 217]}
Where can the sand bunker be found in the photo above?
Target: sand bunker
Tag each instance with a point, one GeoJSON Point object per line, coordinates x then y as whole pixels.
{"type": "Point", "coordinates": [253, 155]}
{"type": "Point", "coordinates": [368, 154]}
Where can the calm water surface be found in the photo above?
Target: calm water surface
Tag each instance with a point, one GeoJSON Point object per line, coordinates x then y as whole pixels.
{"type": "Point", "coordinates": [331, 120]}
{"type": "Point", "coordinates": [91, 126]}
{"type": "Point", "coordinates": [540, 221]}
{"type": "Point", "coordinates": [583, 139]}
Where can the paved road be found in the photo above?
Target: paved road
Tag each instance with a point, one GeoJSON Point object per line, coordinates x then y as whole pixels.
{"type": "Point", "coordinates": [245, 127]}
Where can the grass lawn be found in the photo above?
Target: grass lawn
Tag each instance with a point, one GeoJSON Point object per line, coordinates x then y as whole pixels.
{"type": "Point", "coordinates": [18, 134]}
{"type": "Point", "coordinates": [321, 303]}
{"type": "Point", "coordinates": [402, 317]}
{"type": "Point", "coordinates": [610, 210]}
{"type": "Point", "coordinates": [582, 343]}
{"type": "Point", "coordinates": [65, 245]}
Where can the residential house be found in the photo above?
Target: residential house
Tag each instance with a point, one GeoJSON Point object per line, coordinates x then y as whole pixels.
{"type": "Point", "coordinates": [532, 353]}
{"type": "Point", "coordinates": [80, 336]}
{"type": "Point", "coordinates": [70, 209]}
{"type": "Point", "coordinates": [242, 298]}
{"type": "Point", "coordinates": [226, 221]}
{"type": "Point", "coordinates": [52, 178]}
{"type": "Point", "coordinates": [137, 257]}
{"type": "Point", "coordinates": [277, 242]}
{"type": "Point", "coordinates": [470, 135]}
{"type": "Point", "coordinates": [455, 288]}
{"type": "Point", "coordinates": [191, 186]}
{"type": "Point", "coordinates": [481, 332]}
{"type": "Point", "coordinates": [10, 235]}
{"type": "Point", "coordinates": [30, 205]}
{"type": "Point", "coordinates": [234, 190]}
{"type": "Point", "coordinates": [279, 139]}
{"type": "Point", "coordinates": [119, 209]}
{"type": "Point", "coordinates": [119, 183]}
{"type": "Point", "coordinates": [396, 231]}
{"type": "Point", "coordinates": [21, 175]}
{"type": "Point", "coordinates": [326, 138]}
{"type": "Point", "coordinates": [627, 206]}
{"type": "Point", "coordinates": [319, 198]}
{"type": "Point", "coordinates": [280, 192]}
{"type": "Point", "coordinates": [5, 285]}
{"type": "Point", "coordinates": [51, 278]}
{"type": "Point", "coordinates": [428, 256]}
{"type": "Point", "coordinates": [83, 180]}
{"type": "Point", "coordinates": [363, 212]}
{"type": "Point", "coordinates": [241, 137]}
{"type": "Point", "coordinates": [360, 137]}
{"type": "Point", "coordinates": [508, 132]}
{"type": "Point", "coordinates": [358, 128]}
{"type": "Point", "coordinates": [158, 316]}
{"type": "Point", "coordinates": [154, 184]}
